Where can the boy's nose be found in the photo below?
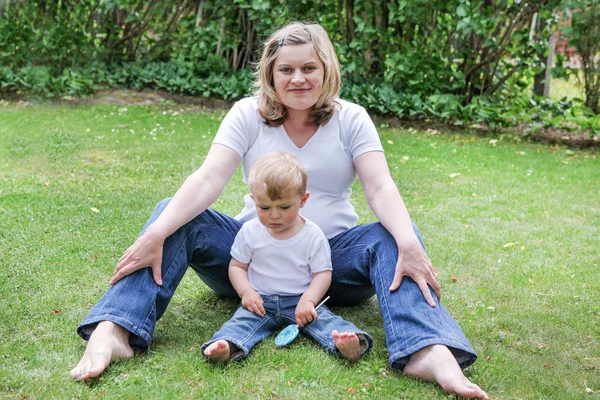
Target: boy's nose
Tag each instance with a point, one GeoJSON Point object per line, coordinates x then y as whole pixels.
{"type": "Point", "coordinates": [275, 214]}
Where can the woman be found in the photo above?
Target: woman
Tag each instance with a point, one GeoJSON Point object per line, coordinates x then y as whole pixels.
{"type": "Point", "coordinates": [295, 109]}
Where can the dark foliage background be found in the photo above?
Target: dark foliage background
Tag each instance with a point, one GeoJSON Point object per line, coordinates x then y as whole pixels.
{"type": "Point", "coordinates": [462, 61]}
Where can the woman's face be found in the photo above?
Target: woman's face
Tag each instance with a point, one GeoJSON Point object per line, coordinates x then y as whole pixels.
{"type": "Point", "coordinates": [298, 76]}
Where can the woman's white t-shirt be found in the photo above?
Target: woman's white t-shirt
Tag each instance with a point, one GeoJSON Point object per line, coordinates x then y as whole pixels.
{"type": "Point", "coordinates": [281, 267]}
{"type": "Point", "coordinates": [328, 158]}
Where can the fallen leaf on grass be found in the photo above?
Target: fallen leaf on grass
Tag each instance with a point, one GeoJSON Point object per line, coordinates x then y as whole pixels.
{"type": "Point", "coordinates": [55, 312]}
{"type": "Point", "coordinates": [587, 389]}
{"type": "Point", "coordinates": [493, 142]}
{"type": "Point", "coordinates": [94, 209]}
{"type": "Point", "coordinates": [453, 279]}
{"type": "Point", "coordinates": [47, 184]}
{"type": "Point", "coordinates": [390, 142]}
{"type": "Point", "coordinates": [351, 390]}
{"type": "Point", "coordinates": [508, 245]}
{"type": "Point", "coordinates": [542, 346]}
{"type": "Point", "coordinates": [454, 175]}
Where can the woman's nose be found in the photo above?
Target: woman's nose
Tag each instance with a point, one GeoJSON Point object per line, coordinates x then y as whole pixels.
{"type": "Point", "coordinates": [298, 77]}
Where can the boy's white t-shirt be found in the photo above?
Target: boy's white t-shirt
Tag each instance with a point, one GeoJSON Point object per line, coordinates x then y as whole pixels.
{"type": "Point", "coordinates": [281, 267]}
{"type": "Point", "coordinates": [328, 158]}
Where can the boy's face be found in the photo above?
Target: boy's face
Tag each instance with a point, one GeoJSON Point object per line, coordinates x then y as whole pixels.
{"type": "Point", "coordinates": [278, 215]}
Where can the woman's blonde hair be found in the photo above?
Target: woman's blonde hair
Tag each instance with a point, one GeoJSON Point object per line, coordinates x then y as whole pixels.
{"type": "Point", "coordinates": [297, 33]}
{"type": "Point", "coordinates": [279, 173]}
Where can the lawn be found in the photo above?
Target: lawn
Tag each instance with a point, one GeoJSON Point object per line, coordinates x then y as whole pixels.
{"type": "Point", "coordinates": [512, 227]}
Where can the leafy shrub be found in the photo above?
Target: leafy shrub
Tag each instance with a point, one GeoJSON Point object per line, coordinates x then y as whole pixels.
{"type": "Point", "coordinates": [460, 61]}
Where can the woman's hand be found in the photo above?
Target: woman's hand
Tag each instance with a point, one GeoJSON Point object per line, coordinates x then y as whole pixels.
{"type": "Point", "coordinates": [146, 251]}
{"type": "Point", "coordinates": [414, 263]}
{"type": "Point", "coordinates": [305, 313]}
{"type": "Point", "coordinates": [252, 302]}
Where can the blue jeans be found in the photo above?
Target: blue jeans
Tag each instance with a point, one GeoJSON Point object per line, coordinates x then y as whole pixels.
{"type": "Point", "coordinates": [364, 260]}
{"type": "Point", "coordinates": [245, 329]}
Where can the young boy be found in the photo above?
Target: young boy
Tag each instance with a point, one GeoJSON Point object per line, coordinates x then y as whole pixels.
{"type": "Point", "coordinates": [281, 268]}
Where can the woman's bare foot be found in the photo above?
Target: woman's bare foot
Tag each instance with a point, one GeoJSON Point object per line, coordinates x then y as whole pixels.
{"type": "Point", "coordinates": [219, 351]}
{"type": "Point", "coordinates": [109, 342]}
{"type": "Point", "coordinates": [437, 364]}
{"type": "Point", "coordinates": [348, 344]}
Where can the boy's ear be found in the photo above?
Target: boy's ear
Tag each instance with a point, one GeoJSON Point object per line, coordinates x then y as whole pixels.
{"type": "Point", "coordinates": [304, 198]}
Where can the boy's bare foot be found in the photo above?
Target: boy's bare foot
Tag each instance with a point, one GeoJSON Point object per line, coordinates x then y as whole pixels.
{"type": "Point", "coordinates": [219, 351]}
{"type": "Point", "coordinates": [348, 344]}
{"type": "Point", "coordinates": [437, 364]}
{"type": "Point", "coordinates": [109, 342]}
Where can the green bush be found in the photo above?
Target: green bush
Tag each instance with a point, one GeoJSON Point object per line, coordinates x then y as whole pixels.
{"type": "Point", "coordinates": [460, 61]}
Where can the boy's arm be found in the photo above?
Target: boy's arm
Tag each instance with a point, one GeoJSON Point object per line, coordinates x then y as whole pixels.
{"type": "Point", "coordinates": [238, 275]}
{"type": "Point", "coordinates": [305, 310]}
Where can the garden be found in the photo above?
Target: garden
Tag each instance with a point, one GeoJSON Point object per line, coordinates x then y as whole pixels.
{"type": "Point", "coordinates": [107, 106]}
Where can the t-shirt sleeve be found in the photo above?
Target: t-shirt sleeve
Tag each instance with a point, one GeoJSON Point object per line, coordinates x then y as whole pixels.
{"type": "Point", "coordinates": [239, 128]}
{"type": "Point", "coordinates": [359, 129]}
{"type": "Point", "coordinates": [241, 250]}
{"type": "Point", "coordinates": [319, 256]}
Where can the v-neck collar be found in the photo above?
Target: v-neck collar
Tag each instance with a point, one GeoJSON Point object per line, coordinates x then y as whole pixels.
{"type": "Point", "coordinates": [307, 142]}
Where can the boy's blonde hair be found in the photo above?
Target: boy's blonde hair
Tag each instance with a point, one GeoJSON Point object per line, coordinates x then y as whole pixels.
{"type": "Point", "coordinates": [279, 173]}
{"type": "Point", "coordinates": [297, 33]}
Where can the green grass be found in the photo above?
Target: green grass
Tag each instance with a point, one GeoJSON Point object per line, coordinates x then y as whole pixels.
{"type": "Point", "coordinates": [514, 238]}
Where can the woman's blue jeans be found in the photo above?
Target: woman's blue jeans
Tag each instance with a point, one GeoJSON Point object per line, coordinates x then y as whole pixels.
{"type": "Point", "coordinates": [364, 260]}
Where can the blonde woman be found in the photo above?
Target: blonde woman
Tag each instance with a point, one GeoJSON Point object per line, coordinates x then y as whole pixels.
{"type": "Point", "coordinates": [296, 109]}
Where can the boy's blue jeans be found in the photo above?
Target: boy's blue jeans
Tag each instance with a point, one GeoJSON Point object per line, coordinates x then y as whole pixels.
{"type": "Point", "coordinates": [364, 260]}
{"type": "Point", "coordinates": [245, 329]}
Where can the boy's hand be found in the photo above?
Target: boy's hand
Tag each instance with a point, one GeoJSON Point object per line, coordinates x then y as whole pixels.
{"type": "Point", "coordinates": [305, 313]}
{"type": "Point", "coordinates": [252, 301]}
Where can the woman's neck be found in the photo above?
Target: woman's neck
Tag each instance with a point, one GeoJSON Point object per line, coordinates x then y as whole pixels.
{"type": "Point", "coordinates": [299, 118]}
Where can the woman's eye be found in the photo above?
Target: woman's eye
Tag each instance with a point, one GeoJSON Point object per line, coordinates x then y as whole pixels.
{"type": "Point", "coordinates": [285, 70]}
{"type": "Point", "coordinates": [311, 68]}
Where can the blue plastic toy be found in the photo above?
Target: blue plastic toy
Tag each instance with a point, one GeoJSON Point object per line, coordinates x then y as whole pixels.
{"type": "Point", "coordinates": [290, 332]}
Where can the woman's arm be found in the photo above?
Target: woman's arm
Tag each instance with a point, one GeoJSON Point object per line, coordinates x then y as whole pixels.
{"type": "Point", "coordinates": [387, 204]}
{"type": "Point", "coordinates": [195, 195]}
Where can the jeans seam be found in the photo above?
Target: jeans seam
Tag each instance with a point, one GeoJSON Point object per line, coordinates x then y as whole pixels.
{"type": "Point", "coordinates": [383, 301]}
{"type": "Point", "coordinates": [169, 272]}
